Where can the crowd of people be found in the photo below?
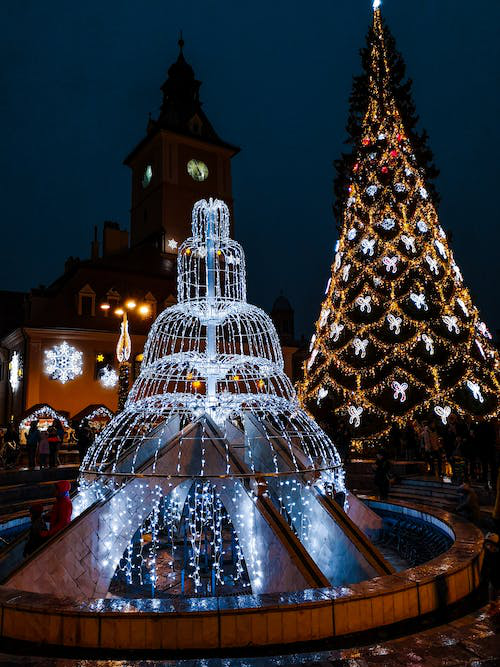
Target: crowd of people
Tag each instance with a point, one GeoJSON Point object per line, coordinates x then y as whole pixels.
{"type": "Point", "coordinates": [43, 445]}
{"type": "Point", "coordinates": [460, 449]}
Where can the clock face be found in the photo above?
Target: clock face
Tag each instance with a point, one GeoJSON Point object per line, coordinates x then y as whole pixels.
{"type": "Point", "coordinates": [148, 175]}
{"type": "Point", "coordinates": [198, 170]}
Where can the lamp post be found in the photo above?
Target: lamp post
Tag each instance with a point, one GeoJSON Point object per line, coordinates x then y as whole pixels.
{"type": "Point", "coordinates": [124, 345]}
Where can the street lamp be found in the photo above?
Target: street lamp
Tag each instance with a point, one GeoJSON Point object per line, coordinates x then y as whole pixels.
{"type": "Point", "coordinates": [124, 345]}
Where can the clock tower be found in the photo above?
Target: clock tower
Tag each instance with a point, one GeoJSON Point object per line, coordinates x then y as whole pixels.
{"type": "Point", "coordinates": [180, 160]}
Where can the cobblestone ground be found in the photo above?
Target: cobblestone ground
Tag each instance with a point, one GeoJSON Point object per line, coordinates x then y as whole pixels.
{"type": "Point", "coordinates": [472, 641]}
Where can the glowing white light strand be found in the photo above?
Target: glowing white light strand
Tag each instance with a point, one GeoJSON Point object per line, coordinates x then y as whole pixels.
{"type": "Point", "coordinates": [209, 358]}
{"type": "Point", "coordinates": [15, 371]}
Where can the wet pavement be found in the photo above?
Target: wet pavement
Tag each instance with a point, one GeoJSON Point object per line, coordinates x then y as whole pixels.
{"type": "Point", "coordinates": [471, 641]}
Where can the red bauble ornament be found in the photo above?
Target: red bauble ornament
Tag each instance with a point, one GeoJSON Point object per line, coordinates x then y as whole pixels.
{"type": "Point", "coordinates": [400, 138]}
{"type": "Point", "coordinates": [356, 167]}
{"type": "Point", "coordinates": [393, 153]}
{"type": "Point", "coordinates": [384, 170]}
{"type": "Point", "coordinates": [366, 141]}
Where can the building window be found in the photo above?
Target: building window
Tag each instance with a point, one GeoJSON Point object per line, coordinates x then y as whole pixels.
{"type": "Point", "coordinates": [86, 301]}
{"type": "Point", "coordinates": [150, 300]}
{"type": "Point", "coordinates": [113, 298]}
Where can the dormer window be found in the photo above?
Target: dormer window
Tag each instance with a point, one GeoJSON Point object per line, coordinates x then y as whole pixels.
{"type": "Point", "coordinates": [170, 301]}
{"type": "Point", "coordinates": [151, 302]}
{"type": "Point", "coordinates": [86, 301]}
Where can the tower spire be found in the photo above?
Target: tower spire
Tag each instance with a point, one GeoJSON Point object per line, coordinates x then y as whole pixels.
{"type": "Point", "coordinates": [180, 43]}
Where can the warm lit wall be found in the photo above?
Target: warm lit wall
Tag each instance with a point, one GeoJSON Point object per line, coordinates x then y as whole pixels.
{"type": "Point", "coordinates": [85, 389]}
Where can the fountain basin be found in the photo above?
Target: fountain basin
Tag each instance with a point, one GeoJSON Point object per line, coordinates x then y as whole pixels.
{"type": "Point", "coordinates": [220, 623]}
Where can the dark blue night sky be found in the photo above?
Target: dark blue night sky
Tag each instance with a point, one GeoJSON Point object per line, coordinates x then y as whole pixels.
{"type": "Point", "coordinates": [78, 80]}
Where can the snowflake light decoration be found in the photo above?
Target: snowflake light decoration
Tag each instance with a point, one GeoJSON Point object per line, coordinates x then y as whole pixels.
{"type": "Point", "coordinates": [108, 377]}
{"type": "Point", "coordinates": [63, 362]}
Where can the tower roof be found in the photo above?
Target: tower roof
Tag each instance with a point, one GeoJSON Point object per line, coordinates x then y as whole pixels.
{"type": "Point", "coordinates": [181, 109]}
{"type": "Point", "coordinates": [282, 303]}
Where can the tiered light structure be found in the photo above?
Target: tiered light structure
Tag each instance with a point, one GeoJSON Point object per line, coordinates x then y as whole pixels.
{"type": "Point", "coordinates": [212, 400]}
{"type": "Point", "coordinates": [398, 335]}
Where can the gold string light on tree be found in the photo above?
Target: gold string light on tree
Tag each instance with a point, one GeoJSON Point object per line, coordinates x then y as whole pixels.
{"type": "Point", "coordinates": [398, 336]}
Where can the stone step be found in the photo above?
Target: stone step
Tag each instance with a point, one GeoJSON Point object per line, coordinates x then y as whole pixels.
{"type": "Point", "coordinates": [420, 500]}
{"type": "Point", "coordinates": [25, 475]}
{"type": "Point", "coordinates": [424, 493]}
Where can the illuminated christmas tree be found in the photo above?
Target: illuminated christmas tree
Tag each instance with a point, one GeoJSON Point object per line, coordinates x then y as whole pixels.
{"type": "Point", "coordinates": [401, 88]}
{"type": "Point", "coordinates": [398, 335]}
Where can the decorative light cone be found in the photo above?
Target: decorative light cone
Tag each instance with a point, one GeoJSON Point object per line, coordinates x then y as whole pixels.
{"type": "Point", "coordinates": [213, 480]}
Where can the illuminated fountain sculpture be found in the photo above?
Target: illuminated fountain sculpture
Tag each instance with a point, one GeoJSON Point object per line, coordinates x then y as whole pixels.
{"type": "Point", "coordinates": [213, 480]}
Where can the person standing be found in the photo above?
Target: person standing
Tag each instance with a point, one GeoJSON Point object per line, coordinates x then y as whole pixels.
{"type": "Point", "coordinates": [61, 433]}
{"type": "Point", "coordinates": [54, 443]}
{"type": "Point", "coordinates": [60, 516]}
{"type": "Point", "coordinates": [381, 479]}
{"type": "Point", "coordinates": [32, 440]}
{"type": "Point", "coordinates": [85, 439]}
{"type": "Point", "coordinates": [43, 450]}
